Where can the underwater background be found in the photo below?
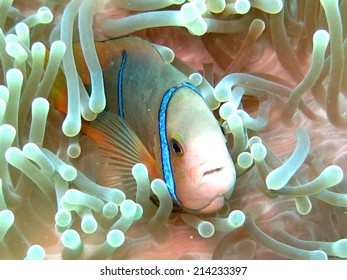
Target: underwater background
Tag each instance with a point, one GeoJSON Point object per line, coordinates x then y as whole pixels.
{"type": "Point", "coordinates": [273, 71]}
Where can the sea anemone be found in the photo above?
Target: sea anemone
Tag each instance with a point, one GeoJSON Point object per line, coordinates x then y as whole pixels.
{"type": "Point", "coordinates": [269, 70]}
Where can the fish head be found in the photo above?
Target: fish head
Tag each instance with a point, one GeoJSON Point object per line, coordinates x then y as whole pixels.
{"type": "Point", "coordinates": [203, 170]}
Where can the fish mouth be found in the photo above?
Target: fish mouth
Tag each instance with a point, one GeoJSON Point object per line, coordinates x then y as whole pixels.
{"type": "Point", "coordinates": [211, 184]}
{"type": "Point", "coordinates": [222, 177]}
{"type": "Point", "coordinates": [213, 171]}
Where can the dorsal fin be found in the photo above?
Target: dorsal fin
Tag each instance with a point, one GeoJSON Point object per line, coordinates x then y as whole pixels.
{"type": "Point", "coordinates": [106, 53]}
{"type": "Point", "coordinates": [109, 51]}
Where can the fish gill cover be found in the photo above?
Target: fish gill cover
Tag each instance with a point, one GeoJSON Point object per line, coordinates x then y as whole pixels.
{"type": "Point", "coordinates": [270, 69]}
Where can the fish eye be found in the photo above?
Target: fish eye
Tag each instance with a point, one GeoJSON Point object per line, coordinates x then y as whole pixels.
{"type": "Point", "coordinates": [176, 145]}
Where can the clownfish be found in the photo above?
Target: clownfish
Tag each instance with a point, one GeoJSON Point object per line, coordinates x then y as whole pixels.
{"type": "Point", "coordinates": [155, 116]}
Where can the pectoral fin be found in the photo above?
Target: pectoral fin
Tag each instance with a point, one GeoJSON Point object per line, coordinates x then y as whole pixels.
{"type": "Point", "coordinates": [121, 150]}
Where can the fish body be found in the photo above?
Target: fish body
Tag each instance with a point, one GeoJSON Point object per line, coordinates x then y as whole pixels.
{"type": "Point", "coordinates": [166, 123]}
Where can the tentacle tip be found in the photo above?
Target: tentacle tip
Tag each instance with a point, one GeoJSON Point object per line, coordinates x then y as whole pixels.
{"type": "Point", "coordinates": [70, 239]}
{"type": "Point", "coordinates": [206, 229]}
{"type": "Point", "coordinates": [115, 238]}
{"type": "Point", "coordinates": [71, 126]}
{"type": "Point", "coordinates": [36, 252]}
{"type": "Point", "coordinates": [63, 218]}
{"type": "Point", "coordinates": [340, 248]}
{"type": "Point", "coordinates": [89, 225]}
{"type": "Point", "coordinates": [242, 7]}
{"type": "Point", "coordinates": [139, 170]}
{"type": "Point", "coordinates": [45, 15]}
